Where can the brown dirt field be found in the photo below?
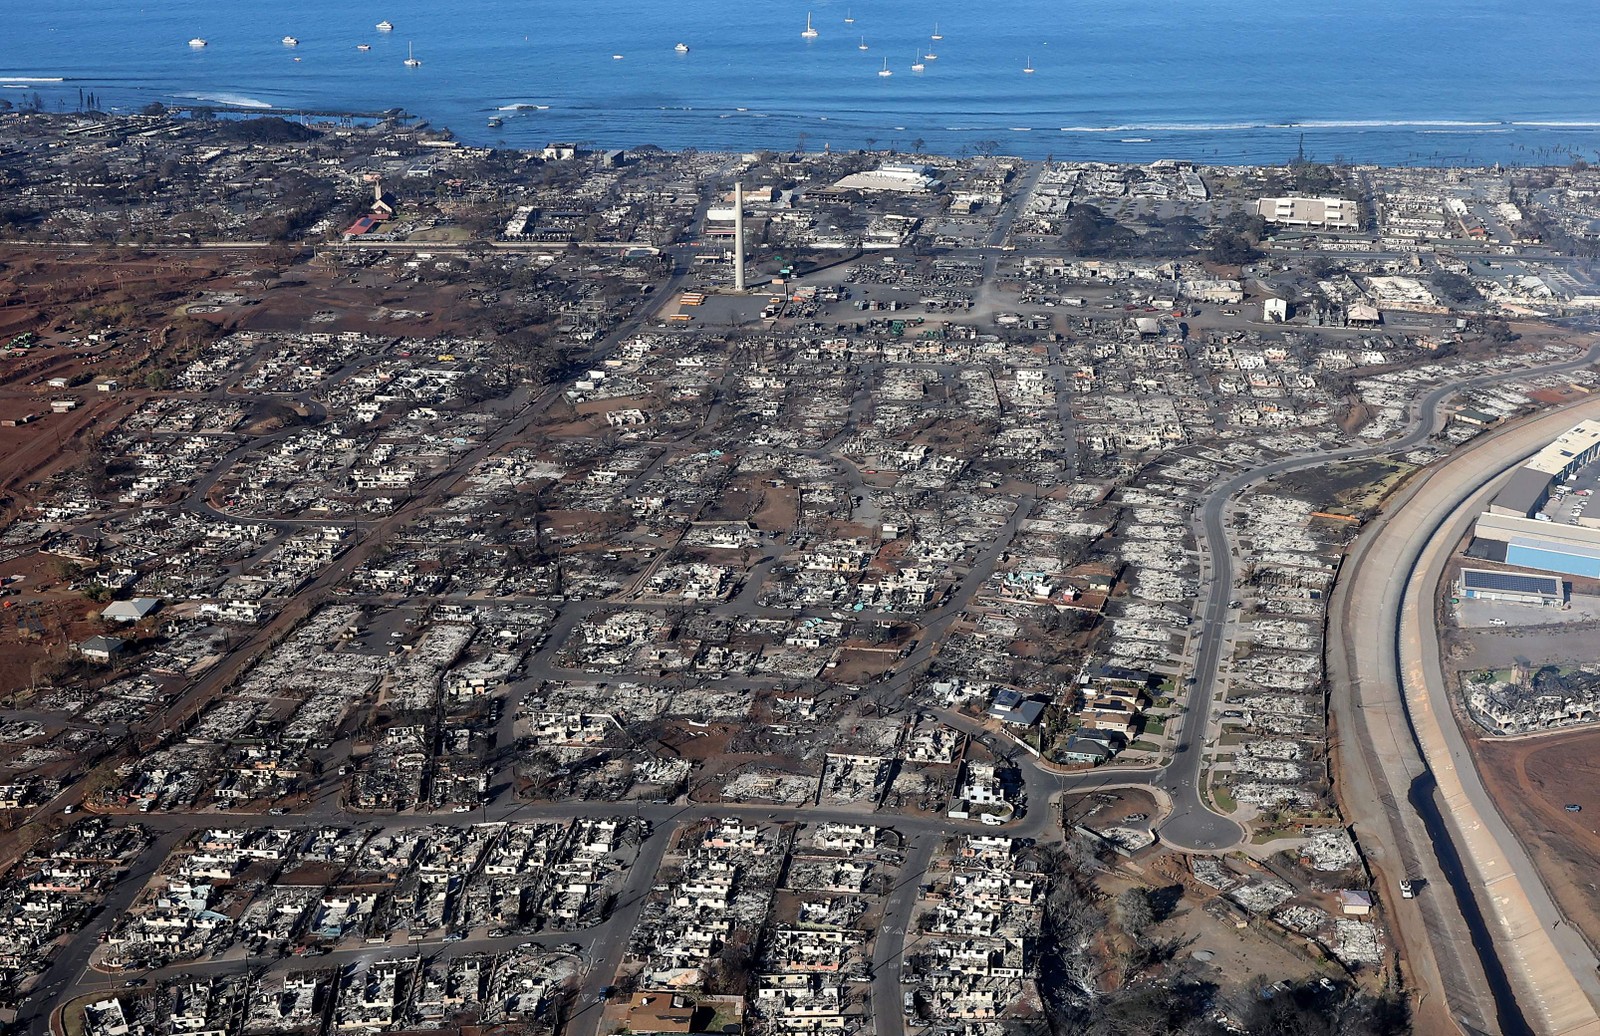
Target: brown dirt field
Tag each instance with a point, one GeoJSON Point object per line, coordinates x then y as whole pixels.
{"type": "Point", "coordinates": [857, 666]}
{"type": "Point", "coordinates": [777, 510]}
{"type": "Point", "coordinates": [1557, 396]}
{"type": "Point", "coordinates": [1104, 809]}
{"type": "Point", "coordinates": [1237, 956]}
{"type": "Point", "coordinates": [1532, 780]}
{"type": "Point", "coordinates": [289, 304]}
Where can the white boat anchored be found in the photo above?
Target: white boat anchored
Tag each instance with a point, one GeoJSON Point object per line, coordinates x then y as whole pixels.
{"type": "Point", "coordinates": [412, 61]}
{"type": "Point", "coordinates": [936, 35]}
{"type": "Point", "coordinates": [363, 46]}
{"type": "Point", "coordinates": [848, 18]}
{"type": "Point", "coordinates": [682, 48]}
{"type": "Point", "coordinates": [810, 33]}
{"type": "Point", "coordinates": [885, 72]}
{"type": "Point", "coordinates": [863, 45]}
{"type": "Point", "coordinates": [290, 41]}
{"type": "Point", "coordinates": [197, 42]}
{"type": "Point", "coordinates": [916, 64]}
{"type": "Point", "coordinates": [1028, 68]}
{"type": "Point", "coordinates": [386, 26]}
{"type": "Point", "coordinates": [930, 57]}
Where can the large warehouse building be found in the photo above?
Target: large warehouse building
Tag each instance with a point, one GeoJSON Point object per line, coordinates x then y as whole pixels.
{"type": "Point", "coordinates": [1529, 487]}
{"type": "Point", "coordinates": [1542, 546]}
{"type": "Point", "coordinates": [1523, 527]}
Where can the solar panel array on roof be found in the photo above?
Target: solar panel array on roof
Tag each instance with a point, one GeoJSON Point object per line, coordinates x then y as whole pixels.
{"type": "Point", "coordinates": [1514, 582]}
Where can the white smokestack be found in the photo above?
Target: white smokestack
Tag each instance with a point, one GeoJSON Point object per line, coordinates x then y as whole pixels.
{"type": "Point", "coordinates": [738, 236]}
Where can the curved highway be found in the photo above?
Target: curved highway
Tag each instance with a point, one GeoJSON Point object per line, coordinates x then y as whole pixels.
{"type": "Point", "coordinates": [1192, 824]}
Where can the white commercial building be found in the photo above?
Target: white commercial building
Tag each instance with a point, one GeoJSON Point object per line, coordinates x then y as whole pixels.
{"type": "Point", "coordinates": [1329, 213]}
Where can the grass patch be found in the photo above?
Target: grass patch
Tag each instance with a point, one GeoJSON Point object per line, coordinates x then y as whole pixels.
{"type": "Point", "coordinates": [1224, 799]}
{"type": "Point", "coordinates": [1145, 746]}
{"type": "Point", "coordinates": [1155, 725]}
{"type": "Point", "coordinates": [72, 1020]}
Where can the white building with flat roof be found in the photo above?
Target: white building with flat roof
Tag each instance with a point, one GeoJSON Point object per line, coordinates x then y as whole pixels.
{"type": "Point", "coordinates": [1570, 451]}
{"type": "Point", "coordinates": [902, 177]}
{"type": "Point", "coordinates": [1327, 213]}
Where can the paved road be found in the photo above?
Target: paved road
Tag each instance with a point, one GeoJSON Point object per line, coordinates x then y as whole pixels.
{"type": "Point", "coordinates": [1188, 824]}
{"type": "Point", "coordinates": [1192, 824]}
{"type": "Point", "coordinates": [1451, 940]}
{"type": "Point", "coordinates": [65, 977]}
{"type": "Point", "coordinates": [1551, 969]}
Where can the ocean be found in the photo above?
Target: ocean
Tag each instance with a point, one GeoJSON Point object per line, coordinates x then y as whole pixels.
{"type": "Point", "coordinates": [1400, 82]}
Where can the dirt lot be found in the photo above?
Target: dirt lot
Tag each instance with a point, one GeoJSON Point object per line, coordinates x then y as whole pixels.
{"type": "Point", "coordinates": [1104, 809]}
{"type": "Point", "coordinates": [1533, 780]}
{"type": "Point", "coordinates": [1346, 488]}
{"type": "Point", "coordinates": [1212, 947]}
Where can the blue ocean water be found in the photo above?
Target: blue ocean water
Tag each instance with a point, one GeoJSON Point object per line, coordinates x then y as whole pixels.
{"type": "Point", "coordinates": [1390, 81]}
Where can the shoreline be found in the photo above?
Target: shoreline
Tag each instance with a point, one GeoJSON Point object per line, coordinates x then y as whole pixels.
{"type": "Point", "coordinates": [1126, 151]}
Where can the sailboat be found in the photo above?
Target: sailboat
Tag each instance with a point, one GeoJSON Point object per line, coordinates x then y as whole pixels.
{"type": "Point", "coordinates": [848, 18]}
{"type": "Point", "coordinates": [863, 44]}
{"type": "Point", "coordinates": [936, 35]}
{"type": "Point", "coordinates": [1028, 68]}
{"type": "Point", "coordinates": [810, 33]}
{"type": "Point", "coordinates": [886, 71]}
{"type": "Point", "coordinates": [917, 65]}
{"type": "Point", "coordinates": [411, 60]}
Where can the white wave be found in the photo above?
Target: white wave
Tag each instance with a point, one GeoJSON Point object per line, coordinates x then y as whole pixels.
{"type": "Point", "coordinates": [523, 106]}
{"type": "Point", "coordinates": [1319, 124]}
{"type": "Point", "coordinates": [1559, 125]}
{"type": "Point", "coordinates": [233, 100]}
{"type": "Point", "coordinates": [33, 79]}
{"type": "Point", "coordinates": [1021, 129]}
{"type": "Point", "coordinates": [1214, 127]}
{"type": "Point", "coordinates": [1383, 123]}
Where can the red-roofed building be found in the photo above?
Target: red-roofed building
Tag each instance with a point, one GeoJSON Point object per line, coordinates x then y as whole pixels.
{"type": "Point", "coordinates": [361, 226]}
